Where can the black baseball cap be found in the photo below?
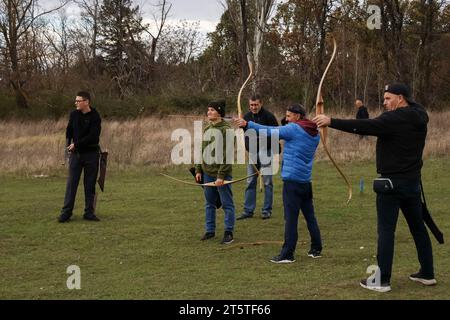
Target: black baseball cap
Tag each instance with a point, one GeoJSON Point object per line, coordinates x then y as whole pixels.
{"type": "Point", "coordinates": [297, 108]}
{"type": "Point", "coordinates": [399, 89]}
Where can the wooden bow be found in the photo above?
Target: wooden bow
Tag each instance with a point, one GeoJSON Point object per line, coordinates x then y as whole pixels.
{"type": "Point", "coordinates": [323, 131]}
{"type": "Point", "coordinates": [250, 75]}
{"type": "Point", "coordinates": [209, 184]}
{"type": "Point", "coordinates": [240, 115]}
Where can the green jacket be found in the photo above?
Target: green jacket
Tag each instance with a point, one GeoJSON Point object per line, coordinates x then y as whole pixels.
{"type": "Point", "coordinates": [219, 170]}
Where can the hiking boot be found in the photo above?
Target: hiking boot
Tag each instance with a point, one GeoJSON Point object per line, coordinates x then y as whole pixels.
{"type": "Point", "coordinates": [208, 235]}
{"type": "Point", "coordinates": [383, 287]}
{"type": "Point", "coordinates": [266, 215]}
{"type": "Point", "coordinates": [64, 217]}
{"type": "Point", "coordinates": [227, 237]}
{"type": "Point", "coordinates": [314, 253]}
{"type": "Point", "coordinates": [91, 217]}
{"type": "Point", "coordinates": [419, 277]}
{"type": "Point", "coordinates": [245, 216]}
{"type": "Point", "coordinates": [280, 260]}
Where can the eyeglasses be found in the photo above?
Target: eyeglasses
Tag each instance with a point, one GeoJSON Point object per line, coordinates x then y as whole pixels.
{"type": "Point", "coordinates": [78, 101]}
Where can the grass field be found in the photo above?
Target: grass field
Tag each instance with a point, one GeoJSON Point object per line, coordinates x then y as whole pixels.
{"type": "Point", "coordinates": [147, 245]}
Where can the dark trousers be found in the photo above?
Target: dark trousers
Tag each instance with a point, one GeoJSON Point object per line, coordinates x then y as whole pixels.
{"type": "Point", "coordinates": [77, 163]}
{"type": "Point", "coordinates": [296, 197]}
{"type": "Point", "coordinates": [405, 196]}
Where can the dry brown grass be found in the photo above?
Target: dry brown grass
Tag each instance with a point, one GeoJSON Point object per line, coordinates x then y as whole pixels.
{"type": "Point", "coordinates": [37, 147]}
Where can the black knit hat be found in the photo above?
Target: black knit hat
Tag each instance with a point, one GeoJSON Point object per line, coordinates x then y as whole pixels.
{"type": "Point", "coordinates": [297, 108]}
{"type": "Point", "coordinates": [399, 89]}
{"type": "Point", "coordinates": [219, 106]}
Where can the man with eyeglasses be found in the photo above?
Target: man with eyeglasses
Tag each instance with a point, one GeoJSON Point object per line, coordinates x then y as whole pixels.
{"type": "Point", "coordinates": [258, 114]}
{"type": "Point", "coordinates": [82, 141]}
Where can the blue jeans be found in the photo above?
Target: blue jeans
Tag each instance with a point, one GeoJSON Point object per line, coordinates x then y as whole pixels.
{"type": "Point", "coordinates": [250, 192]}
{"type": "Point", "coordinates": [296, 197]}
{"type": "Point", "coordinates": [226, 196]}
{"type": "Point", "coordinates": [405, 196]}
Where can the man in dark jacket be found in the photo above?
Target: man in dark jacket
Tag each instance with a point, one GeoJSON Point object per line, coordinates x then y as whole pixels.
{"type": "Point", "coordinates": [362, 112]}
{"type": "Point", "coordinates": [258, 114]}
{"type": "Point", "coordinates": [82, 140]}
{"type": "Point", "coordinates": [401, 132]}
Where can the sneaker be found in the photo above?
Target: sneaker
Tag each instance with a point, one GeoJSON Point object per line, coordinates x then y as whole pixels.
{"type": "Point", "coordinates": [418, 277]}
{"type": "Point", "coordinates": [384, 287]}
{"type": "Point", "coordinates": [244, 216]}
{"type": "Point", "coordinates": [91, 217]}
{"type": "Point", "coordinates": [227, 237]}
{"type": "Point", "coordinates": [266, 215]}
{"type": "Point", "coordinates": [208, 235]}
{"type": "Point", "coordinates": [314, 253]}
{"type": "Point", "coordinates": [64, 217]}
{"type": "Point", "coordinates": [279, 259]}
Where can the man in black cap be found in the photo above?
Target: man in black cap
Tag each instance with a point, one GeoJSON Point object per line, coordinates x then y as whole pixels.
{"type": "Point", "coordinates": [301, 139]}
{"type": "Point", "coordinates": [401, 132]}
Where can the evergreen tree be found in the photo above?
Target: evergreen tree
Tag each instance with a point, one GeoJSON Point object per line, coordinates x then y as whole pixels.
{"type": "Point", "coordinates": [120, 40]}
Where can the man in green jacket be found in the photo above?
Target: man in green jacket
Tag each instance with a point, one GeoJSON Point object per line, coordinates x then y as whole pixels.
{"type": "Point", "coordinates": [214, 168]}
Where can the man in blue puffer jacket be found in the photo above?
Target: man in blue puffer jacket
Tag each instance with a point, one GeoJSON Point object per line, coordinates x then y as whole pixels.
{"type": "Point", "coordinates": [301, 140]}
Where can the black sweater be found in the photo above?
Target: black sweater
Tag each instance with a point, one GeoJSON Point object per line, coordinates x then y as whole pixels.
{"type": "Point", "coordinates": [84, 131]}
{"type": "Point", "coordinates": [362, 113]}
{"type": "Point", "coordinates": [401, 138]}
{"type": "Point", "coordinates": [265, 118]}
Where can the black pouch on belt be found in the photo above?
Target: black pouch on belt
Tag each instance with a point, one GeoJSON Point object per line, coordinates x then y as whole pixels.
{"type": "Point", "coordinates": [383, 185]}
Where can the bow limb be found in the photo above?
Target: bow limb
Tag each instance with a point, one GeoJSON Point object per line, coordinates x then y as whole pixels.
{"type": "Point", "coordinates": [209, 184]}
{"type": "Point", "coordinates": [240, 115]}
{"type": "Point", "coordinates": [250, 75]}
{"type": "Point", "coordinates": [320, 109]}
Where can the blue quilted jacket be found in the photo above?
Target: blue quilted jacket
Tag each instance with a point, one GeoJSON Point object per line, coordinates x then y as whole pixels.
{"type": "Point", "coordinates": [299, 150]}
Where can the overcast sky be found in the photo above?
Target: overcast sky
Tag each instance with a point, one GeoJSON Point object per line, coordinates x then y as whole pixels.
{"type": "Point", "coordinates": [207, 12]}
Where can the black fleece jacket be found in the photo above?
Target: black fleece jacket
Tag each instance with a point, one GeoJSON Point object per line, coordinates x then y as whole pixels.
{"type": "Point", "coordinates": [84, 131]}
{"type": "Point", "coordinates": [401, 139]}
{"type": "Point", "coordinates": [362, 113]}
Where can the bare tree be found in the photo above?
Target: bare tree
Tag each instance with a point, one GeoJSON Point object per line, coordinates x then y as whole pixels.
{"type": "Point", "coordinates": [91, 14]}
{"type": "Point", "coordinates": [324, 7]}
{"type": "Point", "coordinates": [180, 43]}
{"type": "Point", "coordinates": [429, 11]}
{"type": "Point", "coordinates": [16, 19]}
{"type": "Point", "coordinates": [58, 38]}
{"type": "Point", "coordinates": [393, 15]}
{"type": "Point", "coordinates": [160, 20]}
{"type": "Point", "coordinates": [237, 10]}
{"type": "Point", "coordinates": [263, 10]}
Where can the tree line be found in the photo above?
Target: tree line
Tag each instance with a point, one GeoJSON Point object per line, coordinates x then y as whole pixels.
{"type": "Point", "coordinates": [138, 66]}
